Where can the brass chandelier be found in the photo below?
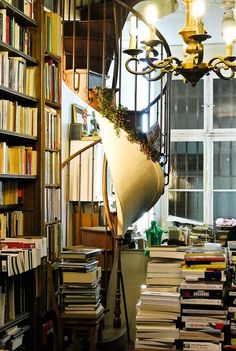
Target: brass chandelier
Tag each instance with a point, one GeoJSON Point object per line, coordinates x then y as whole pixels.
{"type": "Point", "coordinates": [192, 68]}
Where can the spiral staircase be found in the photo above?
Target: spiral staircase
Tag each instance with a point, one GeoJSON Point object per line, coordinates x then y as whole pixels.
{"type": "Point", "coordinates": [91, 40]}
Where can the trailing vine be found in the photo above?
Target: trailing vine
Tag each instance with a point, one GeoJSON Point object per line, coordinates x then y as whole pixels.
{"type": "Point", "coordinates": [118, 115]}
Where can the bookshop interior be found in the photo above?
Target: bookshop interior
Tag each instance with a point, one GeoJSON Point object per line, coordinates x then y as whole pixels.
{"type": "Point", "coordinates": [117, 180]}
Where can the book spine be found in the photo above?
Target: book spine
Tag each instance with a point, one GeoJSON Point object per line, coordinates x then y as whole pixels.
{"type": "Point", "coordinates": [202, 301]}
{"type": "Point", "coordinates": [203, 286]}
{"type": "Point", "coordinates": [201, 346]}
{"type": "Point", "coordinates": [185, 293]}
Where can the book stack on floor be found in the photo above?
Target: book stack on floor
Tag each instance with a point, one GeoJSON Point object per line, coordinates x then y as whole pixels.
{"type": "Point", "coordinates": [158, 309]}
{"type": "Point", "coordinates": [203, 310]}
{"type": "Point", "coordinates": [157, 312]}
{"type": "Point", "coordinates": [165, 265]}
{"type": "Point", "coordinates": [80, 291]}
{"type": "Point", "coordinates": [231, 296]}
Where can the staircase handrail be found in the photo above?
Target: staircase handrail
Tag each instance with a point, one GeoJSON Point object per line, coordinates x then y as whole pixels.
{"type": "Point", "coordinates": [71, 157]}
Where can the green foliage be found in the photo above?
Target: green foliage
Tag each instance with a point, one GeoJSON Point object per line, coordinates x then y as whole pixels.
{"type": "Point", "coordinates": [118, 115]}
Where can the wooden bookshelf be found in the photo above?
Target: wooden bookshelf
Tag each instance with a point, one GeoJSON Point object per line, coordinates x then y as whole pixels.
{"type": "Point", "coordinates": [35, 193]}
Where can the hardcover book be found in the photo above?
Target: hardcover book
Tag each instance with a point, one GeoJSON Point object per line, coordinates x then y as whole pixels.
{"type": "Point", "coordinates": [80, 252]}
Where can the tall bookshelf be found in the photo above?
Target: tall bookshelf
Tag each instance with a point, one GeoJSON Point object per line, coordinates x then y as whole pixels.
{"type": "Point", "coordinates": [30, 140]}
{"type": "Point", "coordinates": [52, 126]}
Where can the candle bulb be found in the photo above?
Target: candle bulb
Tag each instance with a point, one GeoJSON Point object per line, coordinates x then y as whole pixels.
{"type": "Point", "coordinates": [152, 34]}
{"type": "Point", "coordinates": [198, 9]}
{"type": "Point", "coordinates": [199, 27]}
{"type": "Point", "coordinates": [229, 49]}
{"type": "Point", "coordinates": [133, 33]}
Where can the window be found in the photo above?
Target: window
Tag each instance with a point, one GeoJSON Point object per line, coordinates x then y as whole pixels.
{"type": "Point", "coordinates": [202, 183]}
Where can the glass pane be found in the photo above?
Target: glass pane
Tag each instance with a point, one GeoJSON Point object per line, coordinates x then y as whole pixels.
{"type": "Point", "coordinates": [186, 105]}
{"type": "Point", "coordinates": [186, 205]}
{"type": "Point", "coordinates": [224, 110]}
{"type": "Point", "coordinates": [224, 205]}
{"type": "Point", "coordinates": [186, 164]}
{"type": "Point", "coordinates": [224, 165]}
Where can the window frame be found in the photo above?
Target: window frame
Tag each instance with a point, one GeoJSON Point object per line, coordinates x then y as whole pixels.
{"type": "Point", "coordinates": [207, 136]}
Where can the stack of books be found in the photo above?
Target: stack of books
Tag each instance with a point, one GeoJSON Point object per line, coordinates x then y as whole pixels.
{"type": "Point", "coordinates": [158, 309]}
{"type": "Point", "coordinates": [157, 312]}
{"type": "Point", "coordinates": [200, 234]}
{"type": "Point", "coordinates": [165, 266]}
{"type": "Point", "coordinates": [203, 311]}
{"type": "Point", "coordinates": [231, 296]}
{"type": "Point", "coordinates": [80, 289]}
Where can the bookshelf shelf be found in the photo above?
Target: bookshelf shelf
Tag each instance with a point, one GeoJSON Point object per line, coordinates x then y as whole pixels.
{"type": "Point", "coordinates": [52, 150]}
{"type": "Point", "coordinates": [51, 186]}
{"type": "Point", "coordinates": [18, 319]}
{"type": "Point", "coordinates": [18, 176]}
{"type": "Point", "coordinates": [17, 135]}
{"type": "Point", "coordinates": [21, 17]}
{"type": "Point", "coordinates": [52, 222]}
{"type": "Point", "coordinates": [17, 96]}
{"type": "Point", "coordinates": [15, 52]}
{"type": "Point", "coordinates": [53, 56]}
{"type": "Point", "coordinates": [53, 104]}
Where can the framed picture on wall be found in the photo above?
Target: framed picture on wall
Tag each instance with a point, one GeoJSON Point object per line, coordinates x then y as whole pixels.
{"type": "Point", "coordinates": [77, 113]}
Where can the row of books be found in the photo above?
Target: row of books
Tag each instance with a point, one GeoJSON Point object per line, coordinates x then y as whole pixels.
{"type": "Point", "coordinates": [52, 80]}
{"type": "Point", "coordinates": [10, 192]}
{"type": "Point", "coordinates": [18, 255]}
{"type": "Point", "coordinates": [17, 159]}
{"type": "Point", "coordinates": [11, 224]}
{"type": "Point", "coordinates": [17, 118]}
{"type": "Point", "coordinates": [18, 260]}
{"type": "Point", "coordinates": [52, 201]}
{"type": "Point", "coordinates": [80, 290]}
{"type": "Point", "coordinates": [26, 6]}
{"type": "Point", "coordinates": [53, 30]}
{"type": "Point", "coordinates": [52, 128]}
{"type": "Point", "coordinates": [15, 35]}
{"type": "Point", "coordinates": [52, 167]}
{"type": "Point", "coordinates": [16, 75]}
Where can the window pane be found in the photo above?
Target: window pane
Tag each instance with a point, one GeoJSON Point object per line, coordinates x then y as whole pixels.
{"type": "Point", "coordinates": [225, 165]}
{"type": "Point", "coordinates": [186, 105]}
{"type": "Point", "coordinates": [186, 164]}
{"type": "Point", "coordinates": [186, 205]}
{"type": "Point", "coordinates": [224, 205]}
{"type": "Point", "coordinates": [224, 113]}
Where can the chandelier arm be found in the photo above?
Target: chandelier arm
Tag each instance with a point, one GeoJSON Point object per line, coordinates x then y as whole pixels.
{"type": "Point", "coordinates": [143, 19]}
{"type": "Point", "coordinates": [222, 60]}
{"type": "Point", "coordinates": [167, 65]}
{"type": "Point", "coordinates": [220, 75]}
{"type": "Point", "coordinates": [143, 72]}
{"type": "Point", "coordinates": [200, 54]}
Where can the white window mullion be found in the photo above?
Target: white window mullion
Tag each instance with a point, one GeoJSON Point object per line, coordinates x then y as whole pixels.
{"type": "Point", "coordinates": [208, 150]}
{"type": "Point", "coordinates": [208, 179]}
